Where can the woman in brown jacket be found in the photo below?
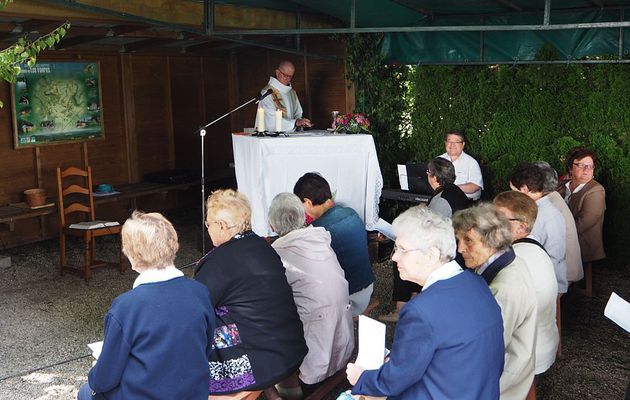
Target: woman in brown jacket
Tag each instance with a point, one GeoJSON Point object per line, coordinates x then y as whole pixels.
{"type": "Point", "coordinates": [586, 199]}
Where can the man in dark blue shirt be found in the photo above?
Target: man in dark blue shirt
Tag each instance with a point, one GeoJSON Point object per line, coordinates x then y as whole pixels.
{"type": "Point", "coordinates": [349, 239]}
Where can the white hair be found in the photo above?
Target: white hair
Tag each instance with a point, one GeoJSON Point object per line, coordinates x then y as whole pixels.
{"type": "Point", "coordinates": [286, 213]}
{"type": "Point", "coordinates": [427, 229]}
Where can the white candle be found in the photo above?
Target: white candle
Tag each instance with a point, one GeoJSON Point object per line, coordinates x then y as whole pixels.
{"type": "Point", "coordinates": [260, 118]}
{"type": "Point", "coordinates": [278, 120]}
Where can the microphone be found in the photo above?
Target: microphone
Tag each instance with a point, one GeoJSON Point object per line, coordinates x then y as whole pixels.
{"type": "Point", "coordinates": [263, 95]}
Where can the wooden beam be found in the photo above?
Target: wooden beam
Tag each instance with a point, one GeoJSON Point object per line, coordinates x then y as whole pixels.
{"type": "Point", "coordinates": [146, 44]}
{"type": "Point", "coordinates": [76, 40]}
{"type": "Point", "coordinates": [186, 13]}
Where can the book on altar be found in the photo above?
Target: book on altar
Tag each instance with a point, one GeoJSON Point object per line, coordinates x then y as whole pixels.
{"type": "Point", "coordinates": [93, 224]}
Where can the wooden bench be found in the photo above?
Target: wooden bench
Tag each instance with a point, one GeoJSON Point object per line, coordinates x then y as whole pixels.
{"type": "Point", "coordinates": [328, 386]}
{"type": "Point", "coordinates": [12, 213]}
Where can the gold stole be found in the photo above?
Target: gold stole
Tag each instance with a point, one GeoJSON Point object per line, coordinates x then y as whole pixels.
{"type": "Point", "coordinates": [279, 101]}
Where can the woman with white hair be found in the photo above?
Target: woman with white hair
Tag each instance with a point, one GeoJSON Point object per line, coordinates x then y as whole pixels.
{"type": "Point", "coordinates": [448, 342]}
{"type": "Point", "coordinates": [259, 340]}
{"type": "Point", "coordinates": [157, 335]}
{"type": "Point", "coordinates": [484, 237]}
{"type": "Point", "coordinates": [320, 291]}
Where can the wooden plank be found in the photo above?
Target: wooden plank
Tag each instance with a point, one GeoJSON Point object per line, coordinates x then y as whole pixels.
{"type": "Point", "coordinates": [126, 83]}
{"type": "Point", "coordinates": [172, 12]}
{"type": "Point", "coordinates": [169, 116]}
{"type": "Point", "coordinates": [188, 99]}
{"type": "Point", "coordinates": [150, 81]}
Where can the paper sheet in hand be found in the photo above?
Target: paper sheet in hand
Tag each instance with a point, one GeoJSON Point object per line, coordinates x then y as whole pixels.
{"type": "Point", "coordinates": [96, 348]}
{"type": "Point", "coordinates": [618, 310]}
{"type": "Point", "coordinates": [371, 343]}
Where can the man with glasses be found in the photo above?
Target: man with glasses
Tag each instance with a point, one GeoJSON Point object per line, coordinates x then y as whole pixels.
{"type": "Point", "coordinates": [467, 172]}
{"type": "Point", "coordinates": [283, 97]}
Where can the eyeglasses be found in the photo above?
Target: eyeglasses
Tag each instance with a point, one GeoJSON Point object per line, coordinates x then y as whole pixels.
{"type": "Point", "coordinates": [402, 250]}
{"type": "Point", "coordinates": [287, 76]}
{"type": "Point", "coordinates": [588, 167]}
{"type": "Point", "coordinates": [449, 143]}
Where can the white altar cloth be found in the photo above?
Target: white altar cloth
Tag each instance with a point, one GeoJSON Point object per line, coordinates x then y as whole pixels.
{"type": "Point", "coordinates": [266, 166]}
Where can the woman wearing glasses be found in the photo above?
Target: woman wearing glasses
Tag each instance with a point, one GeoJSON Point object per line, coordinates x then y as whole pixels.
{"type": "Point", "coordinates": [259, 339]}
{"type": "Point", "coordinates": [586, 199]}
{"type": "Point", "coordinates": [448, 342]}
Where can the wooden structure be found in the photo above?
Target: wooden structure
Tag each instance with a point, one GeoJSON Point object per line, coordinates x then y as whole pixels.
{"type": "Point", "coordinates": [154, 97]}
{"type": "Point", "coordinates": [77, 198]}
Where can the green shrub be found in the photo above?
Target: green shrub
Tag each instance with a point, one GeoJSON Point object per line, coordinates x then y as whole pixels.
{"type": "Point", "coordinates": [509, 114]}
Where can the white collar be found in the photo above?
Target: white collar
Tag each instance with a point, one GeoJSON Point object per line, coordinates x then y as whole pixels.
{"type": "Point", "coordinates": [446, 271]}
{"type": "Point", "coordinates": [274, 83]}
{"type": "Point", "coordinates": [489, 261]}
{"type": "Point", "coordinates": [568, 192]}
{"type": "Point", "coordinates": [154, 275]}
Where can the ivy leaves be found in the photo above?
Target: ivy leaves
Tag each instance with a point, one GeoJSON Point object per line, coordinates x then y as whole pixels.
{"type": "Point", "coordinates": [24, 51]}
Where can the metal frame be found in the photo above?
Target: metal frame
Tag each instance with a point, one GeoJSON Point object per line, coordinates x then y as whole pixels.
{"type": "Point", "coordinates": [209, 27]}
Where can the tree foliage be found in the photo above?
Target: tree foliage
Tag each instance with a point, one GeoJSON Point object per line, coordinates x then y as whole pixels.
{"type": "Point", "coordinates": [381, 94]}
{"type": "Point", "coordinates": [509, 114]}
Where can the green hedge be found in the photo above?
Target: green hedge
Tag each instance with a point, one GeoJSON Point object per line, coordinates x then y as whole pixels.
{"type": "Point", "coordinates": [512, 114]}
{"type": "Point", "coordinates": [530, 113]}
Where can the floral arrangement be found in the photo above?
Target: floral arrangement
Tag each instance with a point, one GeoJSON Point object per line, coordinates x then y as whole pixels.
{"type": "Point", "coordinates": [351, 123]}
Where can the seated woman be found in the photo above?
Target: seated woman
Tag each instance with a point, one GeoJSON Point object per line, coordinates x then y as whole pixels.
{"type": "Point", "coordinates": [447, 197]}
{"type": "Point", "coordinates": [319, 289]}
{"type": "Point", "coordinates": [448, 342]}
{"type": "Point", "coordinates": [484, 237]}
{"type": "Point", "coordinates": [586, 199]}
{"type": "Point", "coordinates": [259, 340]}
{"type": "Point", "coordinates": [157, 335]}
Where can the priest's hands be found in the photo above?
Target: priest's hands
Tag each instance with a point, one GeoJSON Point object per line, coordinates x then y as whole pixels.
{"type": "Point", "coordinates": [303, 122]}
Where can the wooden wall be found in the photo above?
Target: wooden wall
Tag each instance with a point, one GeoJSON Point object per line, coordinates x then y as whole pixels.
{"type": "Point", "coordinates": [152, 105]}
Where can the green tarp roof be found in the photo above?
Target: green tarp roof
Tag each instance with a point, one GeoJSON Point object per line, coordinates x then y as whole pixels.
{"type": "Point", "coordinates": [447, 31]}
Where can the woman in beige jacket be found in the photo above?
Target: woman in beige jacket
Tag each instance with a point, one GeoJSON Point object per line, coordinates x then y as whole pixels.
{"type": "Point", "coordinates": [586, 199]}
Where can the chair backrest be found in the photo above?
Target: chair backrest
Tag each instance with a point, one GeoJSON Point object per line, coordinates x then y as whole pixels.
{"type": "Point", "coordinates": [80, 191]}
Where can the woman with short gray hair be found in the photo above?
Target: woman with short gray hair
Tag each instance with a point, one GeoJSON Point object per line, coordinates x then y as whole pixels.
{"type": "Point", "coordinates": [575, 270]}
{"type": "Point", "coordinates": [484, 237]}
{"type": "Point", "coordinates": [448, 342]}
{"type": "Point", "coordinates": [320, 291]}
{"type": "Point", "coordinates": [447, 197]}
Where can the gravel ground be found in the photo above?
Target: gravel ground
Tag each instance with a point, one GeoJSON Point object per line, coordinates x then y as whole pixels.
{"type": "Point", "coordinates": [46, 320]}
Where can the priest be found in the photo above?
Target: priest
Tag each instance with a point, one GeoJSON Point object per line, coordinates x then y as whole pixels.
{"type": "Point", "coordinates": [283, 98]}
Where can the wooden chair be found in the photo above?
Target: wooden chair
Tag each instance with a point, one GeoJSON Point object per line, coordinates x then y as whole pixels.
{"type": "Point", "coordinates": [81, 201]}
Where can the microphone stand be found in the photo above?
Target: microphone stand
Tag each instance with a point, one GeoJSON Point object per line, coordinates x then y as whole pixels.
{"type": "Point", "coordinates": [202, 135]}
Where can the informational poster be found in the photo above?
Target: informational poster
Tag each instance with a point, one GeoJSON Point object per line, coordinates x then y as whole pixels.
{"type": "Point", "coordinates": [57, 102]}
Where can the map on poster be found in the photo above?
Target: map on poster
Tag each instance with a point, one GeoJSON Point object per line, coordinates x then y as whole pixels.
{"type": "Point", "coordinates": [57, 102]}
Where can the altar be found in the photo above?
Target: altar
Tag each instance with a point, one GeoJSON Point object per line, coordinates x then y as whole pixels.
{"type": "Point", "coordinates": [266, 166]}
